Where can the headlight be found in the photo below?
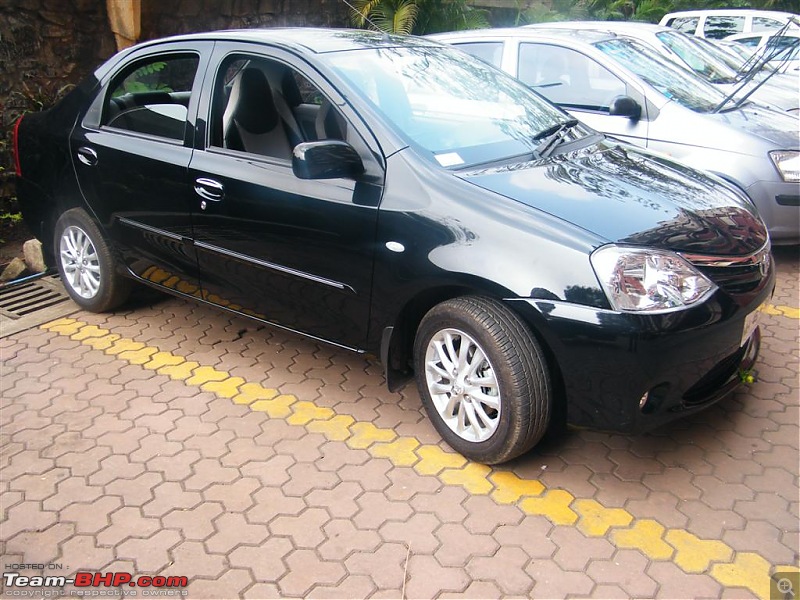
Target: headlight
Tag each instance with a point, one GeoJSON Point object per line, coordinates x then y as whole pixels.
{"type": "Point", "coordinates": [649, 281]}
{"type": "Point", "coordinates": [788, 164]}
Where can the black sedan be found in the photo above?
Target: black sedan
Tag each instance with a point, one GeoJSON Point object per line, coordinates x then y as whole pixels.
{"type": "Point", "coordinates": [395, 196]}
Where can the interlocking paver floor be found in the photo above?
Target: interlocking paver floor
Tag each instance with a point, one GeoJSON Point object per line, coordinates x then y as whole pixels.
{"type": "Point", "coordinates": [174, 439]}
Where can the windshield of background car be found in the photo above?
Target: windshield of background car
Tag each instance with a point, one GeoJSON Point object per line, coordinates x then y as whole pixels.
{"type": "Point", "coordinates": [698, 60]}
{"type": "Point", "coordinates": [672, 82]}
{"type": "Point", "coordinates": [448, 103]}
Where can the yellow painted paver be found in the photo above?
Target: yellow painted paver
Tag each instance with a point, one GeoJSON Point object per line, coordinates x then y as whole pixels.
{"type": "Point", "coordinates": [778, 310]}
{"type": "Point", "coordinates": [748, 570]}
{"type": "Point", "coordinates": [595, 520]}
{"type": "Point", "coordinates": [645, 535]}
{"type": "Point", "coordinates": [553, 504]}
{"type": "Point", "coordinates": [509, 488]}
{"type": "Point", "coordinates": [690, 553]}
{"type": "Point", "coordinates": [694, 555]}
{"type": "Point", "coordinates": [433, 460]}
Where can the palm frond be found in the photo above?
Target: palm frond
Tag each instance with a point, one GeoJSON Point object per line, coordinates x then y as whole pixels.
{"type": "Point", "coordinates": [395, 16]}
{"type": "Point", "coordinates": [361, 14]}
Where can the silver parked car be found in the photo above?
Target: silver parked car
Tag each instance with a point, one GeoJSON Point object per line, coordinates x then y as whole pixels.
{"type": "Point", "coordinates": [622, 88]}
{"type": "Point", "coordinates": [686, 51]}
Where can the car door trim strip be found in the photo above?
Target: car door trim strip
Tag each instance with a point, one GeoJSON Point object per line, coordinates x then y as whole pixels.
{"type": "Point", "coordinates": [148, 228]}
{"type": "Point", "coordinates": [274, 267]}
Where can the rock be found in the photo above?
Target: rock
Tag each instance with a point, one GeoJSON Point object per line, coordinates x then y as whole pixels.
{"type": "Point", "coordinates": [32, 249]}
{"type": "Point", "coordinates": [14, 269]}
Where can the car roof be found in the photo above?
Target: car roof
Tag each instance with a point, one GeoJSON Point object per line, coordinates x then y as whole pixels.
{"type": "Point", "coordinates": [587, 36]}
{"type": "Point", "coordinates": [611, 26]}
{"type": "Point", "coordinates": [730, 12]}
{"type": "Point", "coordinates": [303, 39]}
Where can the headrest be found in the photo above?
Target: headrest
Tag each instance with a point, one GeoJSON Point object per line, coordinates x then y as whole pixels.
{"type": "Point", "coordinates": [255, 109]}
{"type": "Point", "coordinates": [289, 89]}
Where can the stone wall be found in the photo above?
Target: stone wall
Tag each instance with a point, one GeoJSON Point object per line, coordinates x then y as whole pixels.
{"type": "Point", "coordinates": [160, 18]}
{"type": "Point", "coordinates": [45, 46]}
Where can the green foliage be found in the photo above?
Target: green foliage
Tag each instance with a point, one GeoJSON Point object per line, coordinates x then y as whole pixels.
{"type": "Point", "coordinates": [419, 17]}
{"type": "Point", "coordinates": [11, 217]}
{"type": "Point", "coordinates": [144, 79]}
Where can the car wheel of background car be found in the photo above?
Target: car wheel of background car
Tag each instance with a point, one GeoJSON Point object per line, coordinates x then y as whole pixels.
{"type": "Point", "coordinates": [87, 265]}
{"type": "Point", "coordinates": [483, 379]}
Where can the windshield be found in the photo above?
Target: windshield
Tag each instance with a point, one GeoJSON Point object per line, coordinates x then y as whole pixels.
{"type": "Point", "coordinates": [671, 81]}
{"type": "Point", "coordinates": [698, 60]}
{"type": "Point", "coordinates": [450, 105]}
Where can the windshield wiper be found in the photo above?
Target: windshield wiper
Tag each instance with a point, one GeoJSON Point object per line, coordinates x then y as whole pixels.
{"type": "Point", "coordinates": [552, 137]}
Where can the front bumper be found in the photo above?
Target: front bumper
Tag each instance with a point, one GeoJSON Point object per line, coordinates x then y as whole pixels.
{"type": "Point", "coordinates": [777, 203]}
{"type": "Point", "coordinates": [607, 361]}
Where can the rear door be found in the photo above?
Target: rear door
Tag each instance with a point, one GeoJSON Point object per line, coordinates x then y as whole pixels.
{"type": "Point", "coordinates": [131, 154]}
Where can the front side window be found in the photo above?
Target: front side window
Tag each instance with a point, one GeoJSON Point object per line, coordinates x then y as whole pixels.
{"type": "Point", "coordinates": [719, 27]}
{"type": "Point", "coordinates": [152, 96]}
{"type": "Point", "coordinates": [568, 78]}
{"type": "Point", "coordinates": [266, 108]}
{"type": "Point", "coordinates": [454, 108]}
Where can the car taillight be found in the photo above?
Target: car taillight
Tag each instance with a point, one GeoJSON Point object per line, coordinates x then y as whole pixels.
{"type": "Point", "coordinates": [17, 167]}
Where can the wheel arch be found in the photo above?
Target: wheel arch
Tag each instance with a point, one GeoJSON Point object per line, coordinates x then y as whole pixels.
{"type": "Point", "coordinates": [397, 342]}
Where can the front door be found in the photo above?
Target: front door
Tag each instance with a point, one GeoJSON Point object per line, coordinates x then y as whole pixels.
{"type": "Point", "coordinates": [293, 252]}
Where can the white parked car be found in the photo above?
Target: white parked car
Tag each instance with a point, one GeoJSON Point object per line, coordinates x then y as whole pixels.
{"type": "Point", "coordinates": [720, 23]}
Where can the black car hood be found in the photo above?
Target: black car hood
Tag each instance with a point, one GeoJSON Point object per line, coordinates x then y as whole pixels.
{"type": "Point", "coordinates": [629, 196]}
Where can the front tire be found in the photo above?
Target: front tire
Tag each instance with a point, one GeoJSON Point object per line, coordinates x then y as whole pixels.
{"type": "Point", "coordinates": [86, 264]}
{"type": "Point", "coordinates": [483, 379]}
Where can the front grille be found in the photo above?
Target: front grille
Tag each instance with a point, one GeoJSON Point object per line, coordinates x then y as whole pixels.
{"type": "Point", "coordinates": [734, 280]}
{"type": "Point", "coordinates": [735, 274]}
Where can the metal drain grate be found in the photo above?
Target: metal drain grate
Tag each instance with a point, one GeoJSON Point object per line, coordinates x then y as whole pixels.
{"type": "Point", "coordinates": [31, 303]}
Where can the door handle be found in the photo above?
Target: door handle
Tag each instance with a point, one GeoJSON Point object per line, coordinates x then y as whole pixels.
{"type": "Point", "coordinates": [209, 189]}
{"type": "Point", "coordinates": [87, 156]}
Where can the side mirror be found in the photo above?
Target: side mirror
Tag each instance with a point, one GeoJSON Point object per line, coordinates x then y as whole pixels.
{"type": "Point", "coordinates": [328, 159]}
{"type": "Point", "coordinates": [625, 106]}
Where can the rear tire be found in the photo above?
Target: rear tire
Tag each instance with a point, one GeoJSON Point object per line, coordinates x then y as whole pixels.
{"type": "Point", "coordinates": [86, 264]}
{"type": "Point", "coordinates": [483, 379]}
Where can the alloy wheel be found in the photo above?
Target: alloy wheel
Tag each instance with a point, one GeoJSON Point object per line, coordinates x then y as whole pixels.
{"type": "Point", "coordinates": [463, 385]}
{"type": "Point", "coordinates": [80, 262]}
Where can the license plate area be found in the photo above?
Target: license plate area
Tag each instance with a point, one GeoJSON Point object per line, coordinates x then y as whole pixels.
{"type": "Point", "coordinates": [751, 321]}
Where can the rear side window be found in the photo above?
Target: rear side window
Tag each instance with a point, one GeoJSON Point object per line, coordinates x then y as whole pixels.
{"type": "Point", "coordinates": [488, 52]}
{"type": "Point", "coordinates": [765, 24]}
{"type": "Point", "coordinates": [568, 78]}
{"type": "Point", "coordinates": [718, 27]}
{"type": "Point", "coordinates": [685, 24]}
{"type": "Point", "coordinates": [152, 96]}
